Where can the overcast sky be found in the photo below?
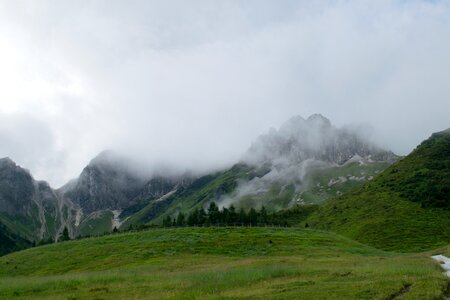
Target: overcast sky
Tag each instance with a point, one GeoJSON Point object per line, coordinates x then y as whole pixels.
{"type": "Point", "coordinates": [194, 82]}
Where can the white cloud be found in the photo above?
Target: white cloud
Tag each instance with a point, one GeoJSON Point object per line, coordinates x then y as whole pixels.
{"type": "Point", "coordinates": [195, 82]}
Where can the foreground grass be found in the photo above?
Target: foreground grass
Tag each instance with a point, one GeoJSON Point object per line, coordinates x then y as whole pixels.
{"type": "Point", "coordinates": [218, 263]}
{"type": "Point", "coordinates": [385, 221]}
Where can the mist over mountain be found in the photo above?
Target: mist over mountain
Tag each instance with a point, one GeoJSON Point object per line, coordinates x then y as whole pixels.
{"type": "Point", "coordinates": [301, 147]}
{"type": "Point", "coordinates": [305, 161]}
{"type": "Point", "coordinates": [106, 183]}
{"type": "Point", "coordinates": [315, 138]}
{"type": "Point", "coordinates": [194, 85]}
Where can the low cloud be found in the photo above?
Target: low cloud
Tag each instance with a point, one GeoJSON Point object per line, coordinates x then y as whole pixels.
{"type": "Point", "coordinates": [193, 84]}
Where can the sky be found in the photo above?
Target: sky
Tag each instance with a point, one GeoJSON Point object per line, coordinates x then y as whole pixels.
{"type": "Point", "coordinates": [193, 83]}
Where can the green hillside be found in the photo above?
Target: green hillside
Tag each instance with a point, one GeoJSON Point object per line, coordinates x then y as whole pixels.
{"type": "Point", "coordinates": [218, 263]}
{"type": "Point", "coordinates": [206, 188]}
{"type": "Point", "coordinates": [10, 242]}
{"type": "Point", "coordinates": [406, 208]}
{"type": "Point", "coordinates": [318, 186]}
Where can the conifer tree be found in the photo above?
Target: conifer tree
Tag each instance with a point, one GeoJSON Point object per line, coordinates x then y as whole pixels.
{"type": "Point", "coordinates": [233, 214]}
{"type": "Point", "coordinates": [193, 218]}
{"type": "Point", "coordinates": [167, 222]}
{"type": "Point", "coordinates": [213, 213]}
{"type": "Point", "coordinates": [180, 219]}
{"type": "Point", "coordinates": [252, 216]}
{"type": "Point", "coordinates": [242, 216]}
{"type": "Point", "coordinates": [64, 235]}
{"type": "Point", "coordinates": [263, 218]}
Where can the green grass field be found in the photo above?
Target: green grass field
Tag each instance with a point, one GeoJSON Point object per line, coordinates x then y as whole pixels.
{"type": "Point", "coordinates": [218, 263]}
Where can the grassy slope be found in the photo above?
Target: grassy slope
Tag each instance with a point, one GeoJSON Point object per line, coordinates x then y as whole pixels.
{"type": "Point", "coordinates": [294, 216]}
{"type": "Point", "coordinates": [213, 263]}
{"type": "Point", "coordinates": [98, 225]}
{"type": "Point", "coordinates": [346, 178]}
{"type": "Point", "coordinates": [10, 242]}
{"type": "Point", "coordinates": [404, 208]}
{"type": "Point", "coordinates": [24, 226]}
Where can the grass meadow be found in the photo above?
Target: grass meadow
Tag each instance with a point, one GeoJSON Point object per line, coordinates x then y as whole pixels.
{"type": "Point", "coordinates": [218, 263]}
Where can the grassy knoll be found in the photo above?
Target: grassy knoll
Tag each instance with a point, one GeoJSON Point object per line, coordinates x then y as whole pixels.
{"type": "Point", "coordinates": [217, 263]}
{"type": "Point", "coordinates": [406, 208]}
{"type": "Point", "coordinates": [384, 220]}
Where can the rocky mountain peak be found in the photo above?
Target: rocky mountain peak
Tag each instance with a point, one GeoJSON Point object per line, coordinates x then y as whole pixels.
{"type": "Point", "coordinates": [319, 120]}
{"type": "Point", "coordinates": [315, 138]}
{"type": "Point", "coordinates": [7, 163]}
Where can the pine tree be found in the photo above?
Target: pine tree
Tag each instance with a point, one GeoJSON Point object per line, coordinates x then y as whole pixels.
{"type": "Point", "coordinates": [233, 214]}
{"type": "Point", "coordinates": [192, 218]}
{"type": "Point", "coordinates": [180, 219]}
{"type": "Point", "coordinates": [242, 216]}
{"type": "Point", "coordinates": [252, 216]}
{"type": "Point", "coordinates": [64, 235]}
{"type": "Point", "coordinates": [263, 215]}
{"type": "Point", "coordinates": [225, 216]}
{"type": "Point", "coordinates": [167, 222]}
{"type": "Point", "coordinates": [213, 213]}
{"type": "Point", "coordinates": [202, 217]}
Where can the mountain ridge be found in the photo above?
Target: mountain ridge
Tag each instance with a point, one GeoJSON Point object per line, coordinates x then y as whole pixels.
{"type": "Point", "coordinates": [112, 190]}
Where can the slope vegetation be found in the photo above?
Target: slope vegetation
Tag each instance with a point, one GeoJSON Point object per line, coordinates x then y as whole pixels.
{"type": "Point", "coordinates": [10, 242]}
{"type": "Point", "coordinates": [406, 208]}
{"type": "Point", "coordinates": [217, 263]}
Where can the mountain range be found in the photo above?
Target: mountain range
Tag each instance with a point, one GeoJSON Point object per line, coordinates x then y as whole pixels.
{"type": "Point", "coordinates": [305, 161]}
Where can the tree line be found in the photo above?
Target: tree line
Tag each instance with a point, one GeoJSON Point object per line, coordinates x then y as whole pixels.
{"type": "Point", "coordinates": [213, 216]}
{"type": "Point", "coordinates": [226, 217]}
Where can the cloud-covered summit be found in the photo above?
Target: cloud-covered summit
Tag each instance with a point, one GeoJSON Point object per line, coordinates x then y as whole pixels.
{"type": "Point", "coordinates": [313, 138]}
{"type": "Point", "coordinates": [193, 83]}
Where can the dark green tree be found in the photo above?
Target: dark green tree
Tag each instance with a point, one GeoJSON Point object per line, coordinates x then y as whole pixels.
{"type": "Point", "coordinates": [167, 222]}
{"type": "Point", "coordinates": [181, 219]}
{"type": "Point", "coordinates": [202, 217]}
{"type": "Point", "coordinates": [64, 235]}
{"type": "Point", "coordinates": [234, 218]}
{"type": "Point", "coordinates": [225, 216]}
{"type": "Point", "coordinates": [193, 218]}
{"type": "Point", "coordinates": [213, 213]}
{"type": "Point", "coordinates": [252, 217]}
{"type": "Point", "coordinates": [243, 217]}
{"type": "Point", "coordinates": [263, 218]}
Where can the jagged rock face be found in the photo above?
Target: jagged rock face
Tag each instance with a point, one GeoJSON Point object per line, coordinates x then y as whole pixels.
{"type": "Point", "coordinates": [105, 183]}
{"type": "Point", "coordinates": [29, 203]}
{"type": "Point", "coordinates": [158, 187]}
{"type": "Point", "coordinates": [314, 138]}
{"type": "Point", "coordinates": [111, 182]}
{"type": "Point", "coordinates": [16, 188]}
